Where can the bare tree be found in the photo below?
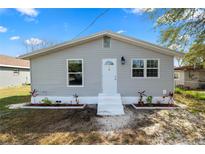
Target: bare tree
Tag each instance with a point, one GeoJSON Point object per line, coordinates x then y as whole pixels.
{"type": "Point", "coordinates": [37, 44]}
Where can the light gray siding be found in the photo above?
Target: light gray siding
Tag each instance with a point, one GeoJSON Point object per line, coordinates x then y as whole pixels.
{"type": "Point", "coordinates": [9, 79]}
{"type": "Point", "coordinates": [49, 71]}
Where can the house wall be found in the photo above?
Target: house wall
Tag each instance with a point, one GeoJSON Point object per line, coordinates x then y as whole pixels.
{"type": "Point", "coordinates": [202, 75]}
{"type": "Point", "coordinates": [49, 71]}
{"type": "Point", "coordinates": [9, 79]}
{"type": "Point", "coordinates": [192, 79]}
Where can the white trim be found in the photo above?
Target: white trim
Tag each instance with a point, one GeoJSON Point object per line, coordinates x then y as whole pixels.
{"type": "Point", "coordinates": [155, 108]}
{"type": "Point", "coordinates": [73, 86]}
{"type": "Point", "coordinates": [94, 99]}
{"type": "Point", "coordinates": [145, 68]}
{"type": "Point", "coordinates": [52, 107]}
{"type": "Point", "coordinates": [14, 66]}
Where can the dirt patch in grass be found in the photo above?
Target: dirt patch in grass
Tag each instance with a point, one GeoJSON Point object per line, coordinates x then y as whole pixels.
{"type": "Point", "coordinates": [84, 127]}
{"type": "Point", "coordinates": [193, 105]}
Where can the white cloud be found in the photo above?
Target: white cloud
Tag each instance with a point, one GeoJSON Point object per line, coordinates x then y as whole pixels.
{"type": "Point", "coordinates": [3, 29]}
{"type": "Point", "coordinates": [120, 31]}
{"type": "Point", "coordinates": [34, 41]}
{"type": "Point", "coordinates": [28, 12]}
{"type": "Point", "coordinates": [15, 38]}
{"type": "Point", "coordinates": [138, 11]}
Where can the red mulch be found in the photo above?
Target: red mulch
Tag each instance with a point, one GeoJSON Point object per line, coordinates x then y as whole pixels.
{"type": "Point", "coordinates": [55, 105]}
{"type": "Point", "coordinates": [155, 105]}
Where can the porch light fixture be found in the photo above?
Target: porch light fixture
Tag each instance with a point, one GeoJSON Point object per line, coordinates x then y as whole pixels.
{"type": "Point", "coordinates": [122, 60]}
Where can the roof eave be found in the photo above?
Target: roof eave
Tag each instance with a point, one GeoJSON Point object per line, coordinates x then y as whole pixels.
{"type": "Point", "coordinates": [97, 35]}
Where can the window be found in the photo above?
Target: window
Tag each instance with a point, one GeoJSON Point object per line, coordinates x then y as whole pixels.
{"type": "Point", "coordinates": [145, 68]}
{"type": "Point", "coordinates": [106, 42]}
{"type": "Point", "coordinates": [152, 68]}
{"type": "Point", "coordinates": [75, 72]}
{"type": "Point", "coordinates": [176, 75]}
{"type": "Point", "coordinates": [16, 72]}
{"type": "Point", "coordinates": [138, 68]}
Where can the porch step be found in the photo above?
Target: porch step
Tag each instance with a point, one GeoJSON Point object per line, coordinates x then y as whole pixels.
{"type": "Point", "coordinates": [110, 105]}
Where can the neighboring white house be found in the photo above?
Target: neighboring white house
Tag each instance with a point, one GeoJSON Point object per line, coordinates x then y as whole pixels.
{"type": "Point", "coordinates": [189, 77]}
{"type": "Point", "coordinates": [13, 71]}
{"type": "Point", "coordinates": [106, 68]}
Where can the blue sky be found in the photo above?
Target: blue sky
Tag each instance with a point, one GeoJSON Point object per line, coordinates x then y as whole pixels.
{"type": "Point", "coordinates": [21, 26]}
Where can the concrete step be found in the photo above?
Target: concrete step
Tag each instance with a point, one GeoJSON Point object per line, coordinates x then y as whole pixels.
{"type": "Point", "coordinates": [110, 105]}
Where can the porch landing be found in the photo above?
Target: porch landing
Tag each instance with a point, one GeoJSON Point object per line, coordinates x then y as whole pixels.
{"type": "Point", "coordinates": [110, 104]}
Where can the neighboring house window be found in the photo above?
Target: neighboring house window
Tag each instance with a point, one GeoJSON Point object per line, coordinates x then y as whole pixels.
{"type": "Point", "coordinates": [176, 75]}
{"type": "Point", "coordinates": [75, 72]}
{"type": "Point", "coordinates": [106, 42]}
{"type": "Point", "coordinates": [145, 68]}
{"type": "Point", "coordinates": [152, 68]}
{"type": "Point", "coordinates": [16, 72]}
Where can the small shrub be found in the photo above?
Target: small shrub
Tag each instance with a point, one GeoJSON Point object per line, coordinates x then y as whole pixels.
{"type": "Point", "coordinates": [149, 100]}
{"type": "Point", "coordinates": [46, 101]}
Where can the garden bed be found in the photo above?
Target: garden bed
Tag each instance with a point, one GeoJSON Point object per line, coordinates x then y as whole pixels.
{"type": "Point", "coordinates": [55, 106]}
{"type": "Point", "coordinates": [155, 106]}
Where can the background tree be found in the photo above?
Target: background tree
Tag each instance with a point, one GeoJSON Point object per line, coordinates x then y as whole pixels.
{"type": "Point", "coordinates": [36, 44]}
{"type": "Point", "coordinates": [183, 30]}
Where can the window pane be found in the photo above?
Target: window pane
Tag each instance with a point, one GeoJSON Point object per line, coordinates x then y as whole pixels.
{"type": "Point", "coordinates": [106, 42]}
{"type": "Point", "coordinates": [138, 64]}
{"type": "Point", "coordinates": [138, 72]}
{"type": "Point", "coordinates": [176, 76]}
{"type": "Point", "coordinates": [75, 79]}
{"type": "Point", "coordinates": [152, 72]}
{"type": "Point", "coordinates": [75, 65]}
{"type": "Point", "coordinates": [152, 63]}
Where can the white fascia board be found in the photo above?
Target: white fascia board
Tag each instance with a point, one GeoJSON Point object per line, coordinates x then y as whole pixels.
{"type": "Point", "coordinates": [14, 66]}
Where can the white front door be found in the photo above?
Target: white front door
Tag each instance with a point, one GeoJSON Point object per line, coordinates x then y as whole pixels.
{"type": "Point", "coordinates": [109, 76]}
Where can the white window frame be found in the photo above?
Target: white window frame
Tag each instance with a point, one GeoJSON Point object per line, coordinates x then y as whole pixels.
{"type": "Point", "coordinates": [67, 74]}
{"type": "Point", "coordinates": [137, 68]}
{"type": "Point", "coordinates": [145, 68]}
{"type": "Point", "coordinates": [103, 42]}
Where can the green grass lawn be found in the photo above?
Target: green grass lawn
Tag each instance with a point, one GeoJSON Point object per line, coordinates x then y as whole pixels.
{"type": "Point", "coordinates": [14, 95]}
{"type": "Point", "coordinates": [196, 94]}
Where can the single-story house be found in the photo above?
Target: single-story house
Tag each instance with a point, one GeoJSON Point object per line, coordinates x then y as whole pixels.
{"type": "Point", "coordinates": [106, 68]}
{"type": "Point", "coordinates": [189, 77]}
{"type": "Point", "coordinates": [13, 71]}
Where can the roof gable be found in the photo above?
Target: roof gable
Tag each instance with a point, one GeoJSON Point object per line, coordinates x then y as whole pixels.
{"type": "Point", "coordinates": [116, 36]}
